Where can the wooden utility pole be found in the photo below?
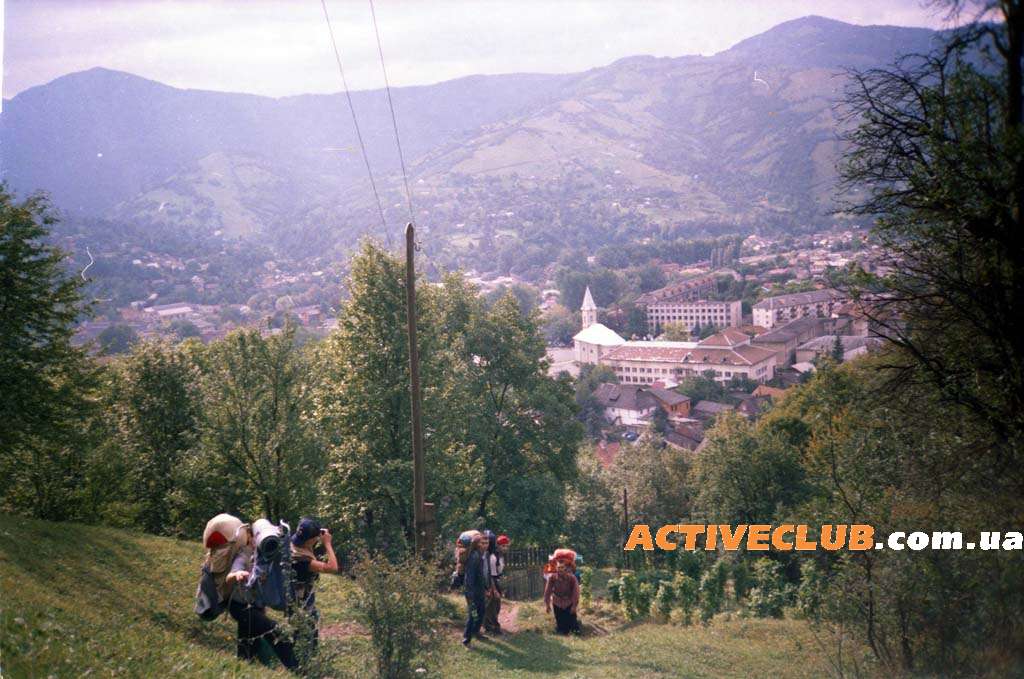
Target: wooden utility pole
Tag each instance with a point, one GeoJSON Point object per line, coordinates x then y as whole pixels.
{"type": "Point", "coordinates": [420, 523]}
{"type": "Point", "coordinates": [625, 512]}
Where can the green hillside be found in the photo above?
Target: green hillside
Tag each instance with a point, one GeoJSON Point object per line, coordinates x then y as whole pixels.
{"type": "Point", "coordinates": [81, 600]}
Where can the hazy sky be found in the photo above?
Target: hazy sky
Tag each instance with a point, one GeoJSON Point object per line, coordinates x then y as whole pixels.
{"type": "Point", "coordinates": [280, 48]}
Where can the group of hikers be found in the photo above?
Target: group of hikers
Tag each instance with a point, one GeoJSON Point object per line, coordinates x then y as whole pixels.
{"type": "Point", "coordinates": [250, 567]}
{"type": "Point", "coordinates": [480, 564]}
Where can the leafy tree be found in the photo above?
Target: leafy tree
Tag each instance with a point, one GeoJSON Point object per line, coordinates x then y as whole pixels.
{"type": "Point", "coordinates": [363, 403]}
{"type": "Point", "coordinates": [500, 435]}
{"type": "Point", "coordinates": [593, 523]}
{"type": "Point", "coordinates": [399, 605]}
{"type": "Point", "coordinates": [659, 421]}
{"type": "Point", "coordinates": [651, 277]}
{"type": "Point", "coordinates": [712, 592]}
{"type": "Point", "coordinates": [867, 456]}
{"type": "Point", "coordinates": [636, 321]}
{"type": "Point", "coordinates": [590, 412]}
{"type": "Point", "coordinates": [526, 295]}
{"type": "Point", "coordinates": [255, 407]}
{"type": "Point", "coordinates": [560, 325]}
{"type": "Point", "coordinates": [746, 478]}
{"type": "Point", "coordinates": [741, 383]}
{"type": "Point", "coordinates": [656, 478]}
{"type": "Point", "coordinates": [117, 339]}
{"type": "Point", "coordinates": [153, 406]}
{"type": "Point", "coordinates": [675, 332]}
{"type": "Point", "coordinates": [706, 331]}
{"type": "Point", "coordinates": [837, 350]}
{"type": "Point", "coordinates": [687, 593]}
{"type": "Point", "coordinates": [522, 419]}
{"type": "Point", "coordinates": [937, 155]}
{"type": "Point", "coordinates": [184, 329]}
{"type": "Point", "coordinates": [705, 388]}
{"type": "Point", "coordinates": [48, 384]}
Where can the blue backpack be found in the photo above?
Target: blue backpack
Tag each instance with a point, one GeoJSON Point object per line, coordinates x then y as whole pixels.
{"type": "Point", "coordinates": [270, 582]}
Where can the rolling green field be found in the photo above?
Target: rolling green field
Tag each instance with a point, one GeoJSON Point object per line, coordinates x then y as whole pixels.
{"type": "Point", "coordinates": [87, 601]}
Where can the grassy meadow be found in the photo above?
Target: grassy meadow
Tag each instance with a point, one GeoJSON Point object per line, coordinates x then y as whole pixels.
{"type": "Point", "coordinates": [89, 601]}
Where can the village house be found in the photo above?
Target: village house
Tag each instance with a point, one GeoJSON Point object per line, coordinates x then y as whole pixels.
{"type": "Point", "coordinates": [171, 311]}
{"type": "Point", "coordinates": [623, 405]}
{"type": "Point", "coordinates": [675, 405]}
{"type": "Point", "coordinates": [709, 410]}
{"type": "Point", "coordinates": [686, 435]}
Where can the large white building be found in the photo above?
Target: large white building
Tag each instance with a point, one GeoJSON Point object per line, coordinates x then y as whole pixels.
{"type": "Point", "coordinates": [725, 355]}
{"type": "Point", "coordinates": [691, 314]}
{"type": "Point", "coordinates": [774, 311]}
{"type": "Point", "coordinates": [722, 356]}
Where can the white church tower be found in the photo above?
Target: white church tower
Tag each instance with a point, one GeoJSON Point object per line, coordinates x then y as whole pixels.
{"type": "Point", "coordinates": [588, 310]}
{"type": "Point", "coordinates": [594, 340]}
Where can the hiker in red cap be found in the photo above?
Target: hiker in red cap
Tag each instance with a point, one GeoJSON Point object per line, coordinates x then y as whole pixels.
{"type": "Point", "coordinates": [496, 562]}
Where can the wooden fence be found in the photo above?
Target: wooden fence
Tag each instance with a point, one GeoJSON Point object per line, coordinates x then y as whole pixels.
{"type": "Point", "coordinates": [523, 579]}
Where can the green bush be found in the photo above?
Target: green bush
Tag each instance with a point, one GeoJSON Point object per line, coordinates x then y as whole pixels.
{"type": "Point", "coordinates": [586, 584]}
{"type": "Point", "coordinates": [810, 593]}
{"type": "Point", "coordinates": [771, 592]}
{"type": "Point", "coordinates": [665, 600]}
{"type": "Point", "coordinates": [637, 596]}
{"type": "Point", "coordinates": [740, 579]}
{"type": "Point", "coordinates": [615, 590]}
{"type": "Point", "coordinates": [630, 593]}
{"type": "Point", "coordinates": [644, 599]}
{"type": "Point", "coordinates": [689, 562]}
{"type": "Point", "coordinates": [398, 604]}
{"type": "Point", "coordinates": [687, 595]}
{"type": "Point", "coordinates": [712, 592]}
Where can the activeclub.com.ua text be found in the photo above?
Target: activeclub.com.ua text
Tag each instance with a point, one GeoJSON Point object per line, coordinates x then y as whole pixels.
{"type": "Point", "coordinates": [800, 537]}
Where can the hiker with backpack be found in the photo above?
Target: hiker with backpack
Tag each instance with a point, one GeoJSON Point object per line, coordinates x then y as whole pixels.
{"type": "Point", "coordinates": [477, 584]}
{"type": "Point", "coordinates": [306, 570]}
{"type": "Point", "coordinates": [463, 547]}
{"type": "Point", "coordinates": [562, 592]}
{"type": "Point", "coordinates": [247, 602]}
{"type": "Point", "coordinates": [496, 563]}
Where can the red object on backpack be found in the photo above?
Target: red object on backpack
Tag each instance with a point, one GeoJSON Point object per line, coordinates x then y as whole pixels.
{"type": "Point", "coordinates": [216, 539]}
{"type": "Point", "coordinates": [566, 556]}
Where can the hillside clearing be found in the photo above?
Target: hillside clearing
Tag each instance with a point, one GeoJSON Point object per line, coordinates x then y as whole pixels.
{"type": "Point", "coordinates": [87, 600]}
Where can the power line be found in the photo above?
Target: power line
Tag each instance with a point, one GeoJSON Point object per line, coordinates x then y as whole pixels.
{"type": "Point", "coordinates": [355, 123]}
{"type": "Point", "coordinates": [394, 119]}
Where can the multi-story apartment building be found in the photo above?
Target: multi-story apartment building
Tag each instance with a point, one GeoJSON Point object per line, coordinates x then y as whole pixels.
{"type": "Point", "coordinates": [694, 313]}
{"type": "Point", "coordinates": [775, 311]}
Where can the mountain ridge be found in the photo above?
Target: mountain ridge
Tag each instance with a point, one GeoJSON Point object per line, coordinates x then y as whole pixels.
{"type": "Point", "coordinates": [645, 146]}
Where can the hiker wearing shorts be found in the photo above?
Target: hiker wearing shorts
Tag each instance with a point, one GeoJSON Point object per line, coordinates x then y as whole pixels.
{"type": "Point", "coordinates": [478, 582]}
{"type": "Point", "coordinates": [562, 592]}
{"type": "Point", "coordinates": [306, 570]}
{"type": "Point", "coordinates": [254, 626]}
